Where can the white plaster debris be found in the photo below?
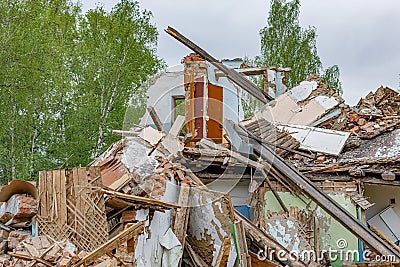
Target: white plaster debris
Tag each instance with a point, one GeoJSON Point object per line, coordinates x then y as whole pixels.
{"type": "Point", "coordinates": [302, 91]}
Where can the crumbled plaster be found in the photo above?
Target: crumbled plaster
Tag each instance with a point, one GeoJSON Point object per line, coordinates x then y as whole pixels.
{"type": "Point", "coordinates": [135, 161]}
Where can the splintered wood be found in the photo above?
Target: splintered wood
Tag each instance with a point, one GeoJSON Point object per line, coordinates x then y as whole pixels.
{"type": "Point", "coordinates": [71, 206]}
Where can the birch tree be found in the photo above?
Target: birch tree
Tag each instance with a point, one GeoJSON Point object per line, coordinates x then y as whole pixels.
{"type": "Point", "coordinates": [66, 79]}
{"type": "Point", "coordinates": [284, 43]}
{"type": "Point", "coordinates": [117, 53]}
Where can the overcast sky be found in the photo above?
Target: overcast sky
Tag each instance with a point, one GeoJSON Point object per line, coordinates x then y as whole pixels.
{"type": "Point", "coordinates": [361, 36]}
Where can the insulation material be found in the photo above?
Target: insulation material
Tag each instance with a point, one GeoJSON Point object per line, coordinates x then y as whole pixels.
{"type": "Point", "coordinates": [149, 251]}
{"type": "Point", "coordinates": [173, 249]}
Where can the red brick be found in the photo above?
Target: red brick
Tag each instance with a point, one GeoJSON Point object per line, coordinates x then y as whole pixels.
{"type": "Point", "coordinates": [13, 242]}
{"type": "Point", "coordinates": [355, 130]}
{"type": "Point", "coordinates": [297, 157]}
{"type": "Point", "coordinates": [362, 121]}
{"type": "Point", "coordinates": [128, 216]}
{"type": "Point", "coordinates": [321, 159]}
{"type": "Point", "coordinates": [353, 117]}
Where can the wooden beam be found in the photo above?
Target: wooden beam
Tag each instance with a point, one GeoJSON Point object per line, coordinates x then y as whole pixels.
{"type": "Point", "coordinates": [380, 182]}
{"type": "Point", "coordinates": [274, 192]}
{"type": "Point", "coordinates": [156, 119]}
{"type": "Point", "coordinates": [182, 213]}
{"type": "Point", "coordinates": [231, 74]}
{"type": "Point", "coordinates": [196, 259]}
{"type": "Point", "coordinates": [124, 133]}
{"type": "Point", "coordinates": [256, 262]}
{"type": "Point", "coordinates": [142, 200]}
{"type": "Point", "coordinates": [30, 258]}
{"type": "Point", "coordinates": [223, 255]}
{"type": "Point", "coordinates": [381, 235]}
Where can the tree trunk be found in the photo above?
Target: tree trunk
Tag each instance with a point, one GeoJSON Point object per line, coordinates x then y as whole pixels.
{"type": "Point", "coordinates": [12, 151]}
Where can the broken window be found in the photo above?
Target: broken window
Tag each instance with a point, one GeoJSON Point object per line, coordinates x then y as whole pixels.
{"type": "Point", "coordinates": [179, 106]}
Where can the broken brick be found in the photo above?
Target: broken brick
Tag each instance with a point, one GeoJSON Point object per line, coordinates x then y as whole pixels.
{"type": "Point", "coordinates": [128, 216]}
{"type": "Point", "coordinates": [353, 117]}
{"type": "Point", "coordinates": [362, 122]}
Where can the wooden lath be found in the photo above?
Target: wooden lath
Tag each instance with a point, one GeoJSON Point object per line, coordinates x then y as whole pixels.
{"type": "Point", "coordinates": [71, 206]}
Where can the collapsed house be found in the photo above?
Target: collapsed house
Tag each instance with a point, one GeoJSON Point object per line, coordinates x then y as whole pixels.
{"type": "Point", "coordinates": [306, 181]}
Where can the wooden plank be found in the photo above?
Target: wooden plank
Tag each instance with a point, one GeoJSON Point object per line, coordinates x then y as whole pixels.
{"type": "Point", "coordinates": [63, 198]}
{"type": "Point", "coordinates": [181, 216]}
{"type": "Point", "coordinates": [256, 262]}
{"type": "Point", "coordinates": [124, 133]}
{"type": "Point", "coordinates": [56, 195]}
{"type": "Point", "coordinates": [81, 188]}
{"type": "Point", "coordinates": [49, 194]}
{"type": "Point", "coordinates": [223, 255]}
{"type": "Point", "coordinates": [42, 194]}
{"type": "Point", "coordinates": [242, 244]}
{"type": "Point", "coordinates": [121, 182]}
{"type": "Point", "coordinates": [156, 119]}
{"type": "Point", "coordinates": [177, 126]}
{"type": "Point", "coordinates": [125, 235]}
{"type": "Point", "coordinates": [74, 184]}
{"type": "Point", "coordinates": [142, 200]}
{"type": "Point", "coordinates": [30, 258]}
{"type": "Point", "coordinates": [72, 199]}
{"type": "Point", "coordinates": [196, 259]}
{"type": "Point", "coordinates": [381, 235]}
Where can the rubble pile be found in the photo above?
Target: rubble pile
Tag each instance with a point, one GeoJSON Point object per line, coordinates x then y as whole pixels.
{"type": "Point", "coordinates": [375, 114]}
{"type": "Point", "coordinates": [212, 189]}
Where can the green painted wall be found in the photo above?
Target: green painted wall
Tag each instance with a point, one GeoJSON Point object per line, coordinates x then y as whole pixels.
{"type": "Point", "coordinates": [331, 230]}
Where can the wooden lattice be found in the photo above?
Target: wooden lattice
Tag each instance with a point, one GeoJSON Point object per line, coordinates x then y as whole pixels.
{"type": "Point", "coordinates": [71, 206]}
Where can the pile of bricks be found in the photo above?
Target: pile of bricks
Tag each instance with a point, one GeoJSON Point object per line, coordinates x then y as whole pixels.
{"type": "Point", "coordinates": [369, 126]}
{"type": "Point", "coordinates": [23, 250]}
{"type": "Point", "coordinates": [18, 211]}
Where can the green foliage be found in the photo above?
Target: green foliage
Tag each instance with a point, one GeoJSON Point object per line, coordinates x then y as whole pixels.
{"type": "Point", "coordinates": [332, 77]}
{"type": "Point", "coordinates": [284, 43]}
{"type": "Point", "coordinates": [66, 79]}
